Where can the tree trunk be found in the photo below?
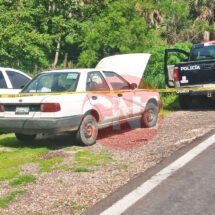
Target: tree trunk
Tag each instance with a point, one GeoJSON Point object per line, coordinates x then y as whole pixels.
{"type": "Point", "coordinates": [65, 62]}
{"type": "Point", "coordinates": [206, 36]}
{"type": "Point", "coordinates": [56, 55]}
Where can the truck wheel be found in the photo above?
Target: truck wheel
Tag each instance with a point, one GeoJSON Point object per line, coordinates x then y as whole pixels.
{"type": "Point", "coordinates": [185, 102]}
{"type": "Point", "coordinates": [25, 137]}
{"type": "Point", "coordinates": [88, 131]}
{"type": "Point", "coordinates": [150, 116]}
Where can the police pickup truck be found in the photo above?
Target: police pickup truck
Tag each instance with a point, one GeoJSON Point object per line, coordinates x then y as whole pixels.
{"type": "Point", "coordinates": [197, 70]}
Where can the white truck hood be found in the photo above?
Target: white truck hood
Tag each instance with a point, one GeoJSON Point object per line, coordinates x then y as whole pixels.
{"type": "Point", "coordinates": [129, 66]}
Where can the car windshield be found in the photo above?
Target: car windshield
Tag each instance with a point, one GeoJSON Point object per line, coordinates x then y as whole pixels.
{"type": "Point", "coordinates": [203, 53]}
{"type": "Point", "coordinates": [53, 82]}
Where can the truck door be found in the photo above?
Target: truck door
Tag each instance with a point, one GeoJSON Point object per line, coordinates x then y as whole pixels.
{"type": "Point", "coordinates": [171, 57]}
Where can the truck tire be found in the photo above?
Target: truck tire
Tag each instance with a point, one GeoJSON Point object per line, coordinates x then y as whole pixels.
{"type": "Point", "coordinates": [185, 102]}
{"type": "Point", "coordinates": [25, 137]}
{"type": "Point", "coordinates": [88, 131]}
{"type": "Point", "coordinates": [150, 116]}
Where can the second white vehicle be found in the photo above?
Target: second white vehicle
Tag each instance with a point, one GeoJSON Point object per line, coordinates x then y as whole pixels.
{"type": "Point", "coordinates": [12, 80]}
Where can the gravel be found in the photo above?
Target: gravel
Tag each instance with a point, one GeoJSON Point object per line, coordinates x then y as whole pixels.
{"type": "Point", "coordinates": [133, 152]}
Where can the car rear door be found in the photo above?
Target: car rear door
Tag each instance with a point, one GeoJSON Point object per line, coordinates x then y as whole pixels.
{"type": "Point", "coordinates": [3, 83]}
{"type": "Point", "coordinates": [172, 57]}
{"type": "Point", "coordinates": [17, 80]}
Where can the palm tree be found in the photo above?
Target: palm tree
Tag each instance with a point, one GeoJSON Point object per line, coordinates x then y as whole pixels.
{"type": "Point", "coordinates": [204, 11]}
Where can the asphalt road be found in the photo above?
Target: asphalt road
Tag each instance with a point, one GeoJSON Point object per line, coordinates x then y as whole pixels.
{"type": "Point", "coordinates": [189, 191]}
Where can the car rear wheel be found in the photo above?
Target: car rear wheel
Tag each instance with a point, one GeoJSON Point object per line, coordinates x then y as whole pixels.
{"type": "Point", "coordinates": [25, 137]}
{"type": "Point", "coordinates": [88, 131]}
{"type": "Point", "coordinates": [150, 116]}
{"type": "Point", "coordinates": [185, 101]}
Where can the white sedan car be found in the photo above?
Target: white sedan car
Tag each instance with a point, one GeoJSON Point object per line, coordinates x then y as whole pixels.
{"type": "Point", "coordinates": [81, 100]}
{"type": "Point", "coordinates": [12, 80]}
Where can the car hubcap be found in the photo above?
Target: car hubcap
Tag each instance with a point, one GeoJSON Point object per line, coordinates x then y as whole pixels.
{"type": "Point", "coordinates": [151, 116]}
{"type": "Point", "coordinates": [89, 130]}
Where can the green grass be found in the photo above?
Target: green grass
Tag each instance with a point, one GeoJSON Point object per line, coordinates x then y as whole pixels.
{"type": "Point", "coordinates": [23, 179]}
{"type": "Point", "coordinates": [77, 207]}
{"type": "Point", "coordinates": [10, 161]}
{"type": "Point", "coordinates": [170, 102]}
{"type": "Point", "coordinates": [84, 160]}
{"type": "Point", "coordinates": [47, 165]}
{"type": "Point", "coordinates": [4, 202]}
{"type": "Point", "coordinates": [81, 169]}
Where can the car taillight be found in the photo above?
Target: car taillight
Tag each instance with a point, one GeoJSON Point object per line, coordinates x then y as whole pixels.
{"type": "Point", "coordinates": [50, 107]}
{"type": "Point", "coordinates": [176, 74]}
{"type": "Point", "coordinates": [1, 108]}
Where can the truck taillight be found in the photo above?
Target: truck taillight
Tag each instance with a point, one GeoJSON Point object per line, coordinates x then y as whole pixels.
{"type": "Point", "coordinates": [176, 74]}
{"type": "Point", "coordinates": [1, 108]}
{"type": "Point", "coordinates": [50, 107]}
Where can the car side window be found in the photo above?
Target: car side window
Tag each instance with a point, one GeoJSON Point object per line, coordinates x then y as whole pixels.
{"type": "Point", "coordinates": [96, 82]}
{"type": "Point", "coordinates": [3, 84]}
{"type": "Point", "coordinates": [116, 81]}
{"type": "Point", "coordinates": [17, 80]}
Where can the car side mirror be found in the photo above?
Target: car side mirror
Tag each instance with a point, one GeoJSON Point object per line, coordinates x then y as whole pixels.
{"type": "Point", "coordinates": [133, 86]}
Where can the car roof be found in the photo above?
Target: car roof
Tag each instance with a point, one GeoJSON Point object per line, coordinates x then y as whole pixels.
{"type": "Point", "coordinates": [1, 67]}
{"type": "Point", "coordinates": [16, 70]}
{"type": "Point", "coordinates": [83, 70]}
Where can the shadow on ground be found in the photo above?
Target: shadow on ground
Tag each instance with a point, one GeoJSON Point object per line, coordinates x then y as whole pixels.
{"type": "Point", "coordinates": [116, 134]}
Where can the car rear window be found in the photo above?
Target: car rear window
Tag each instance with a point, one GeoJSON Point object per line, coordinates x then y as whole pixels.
{"type": "Point", "coordinates": [53, 82]}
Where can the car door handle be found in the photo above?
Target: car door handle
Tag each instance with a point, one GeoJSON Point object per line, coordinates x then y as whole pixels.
{"type": "Point", "coordinates": [119, 95]}
{"type": "Point", "coordinates": [94, 97]}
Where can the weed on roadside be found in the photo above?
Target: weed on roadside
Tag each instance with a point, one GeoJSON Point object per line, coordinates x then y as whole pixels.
{"type": "Point", "coordinates": [81, 169]}
{"type": "Point", "coordinates": [50, 164]}
{"type": "Point", "coordinates": [170, 103]}
{"type": "Point", "coordinates": [4, 202]}
{"type": "Point", "coordinates": [10, 161]}
{"type": "Point", "coordinates": [84, 160]}
{"type": "Point", "coordinates": [23, 179]}
{"type": "Point", "coordinates": [77, 207]}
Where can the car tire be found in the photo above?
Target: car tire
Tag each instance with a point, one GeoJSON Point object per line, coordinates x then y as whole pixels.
{"type": "Point", "coordinates": [150, 116]}
{"type": "Point", "coordinates": [25, 137]}
{"type": "Point", "coordinates": [185, 102]}
{"type": "Point", "coordinates": [88, 131]}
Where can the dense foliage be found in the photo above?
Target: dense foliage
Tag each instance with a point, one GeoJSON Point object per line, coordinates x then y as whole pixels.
{"type": "Point", "coordinates": [37, 34]}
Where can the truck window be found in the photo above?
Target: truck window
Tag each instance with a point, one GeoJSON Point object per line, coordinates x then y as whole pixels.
{"type": "Point", "coordinates": [3, 84]}
{"type": "Point", "coordinates": [202, 53]}
{"type": "Point", "coordinates": [17, 80]}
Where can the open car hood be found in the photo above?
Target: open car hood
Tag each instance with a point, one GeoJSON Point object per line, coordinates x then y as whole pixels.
{"type": "Point", "coordinates": [129, 66]}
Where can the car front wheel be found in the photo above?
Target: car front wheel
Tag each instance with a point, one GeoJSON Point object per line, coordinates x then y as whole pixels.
{"type": "Point", "coordinates": [88, 131]}
{"type": "Point", "coordinates": [150, 116]}
{"type": "Point", "coordinates": [25, 137]}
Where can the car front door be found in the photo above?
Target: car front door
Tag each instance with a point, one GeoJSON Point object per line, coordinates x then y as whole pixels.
{"type": "Point", "coordinates": [122, 92]}
{"type": "Point", "coordinates": [101, 98]}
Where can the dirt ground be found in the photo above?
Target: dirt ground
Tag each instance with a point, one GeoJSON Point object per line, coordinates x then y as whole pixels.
{"type": "Point", "coordinates": [132, 151]}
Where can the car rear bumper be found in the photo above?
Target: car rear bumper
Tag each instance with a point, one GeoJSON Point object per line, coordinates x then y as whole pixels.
{"type": "Point", "coordinates": [206, 93]}
{"type": "Point", "coordinates": [34, 126]}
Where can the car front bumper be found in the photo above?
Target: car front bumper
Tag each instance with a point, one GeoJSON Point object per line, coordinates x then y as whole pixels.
{"type": "Point", "coordinates": [34, 126]}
